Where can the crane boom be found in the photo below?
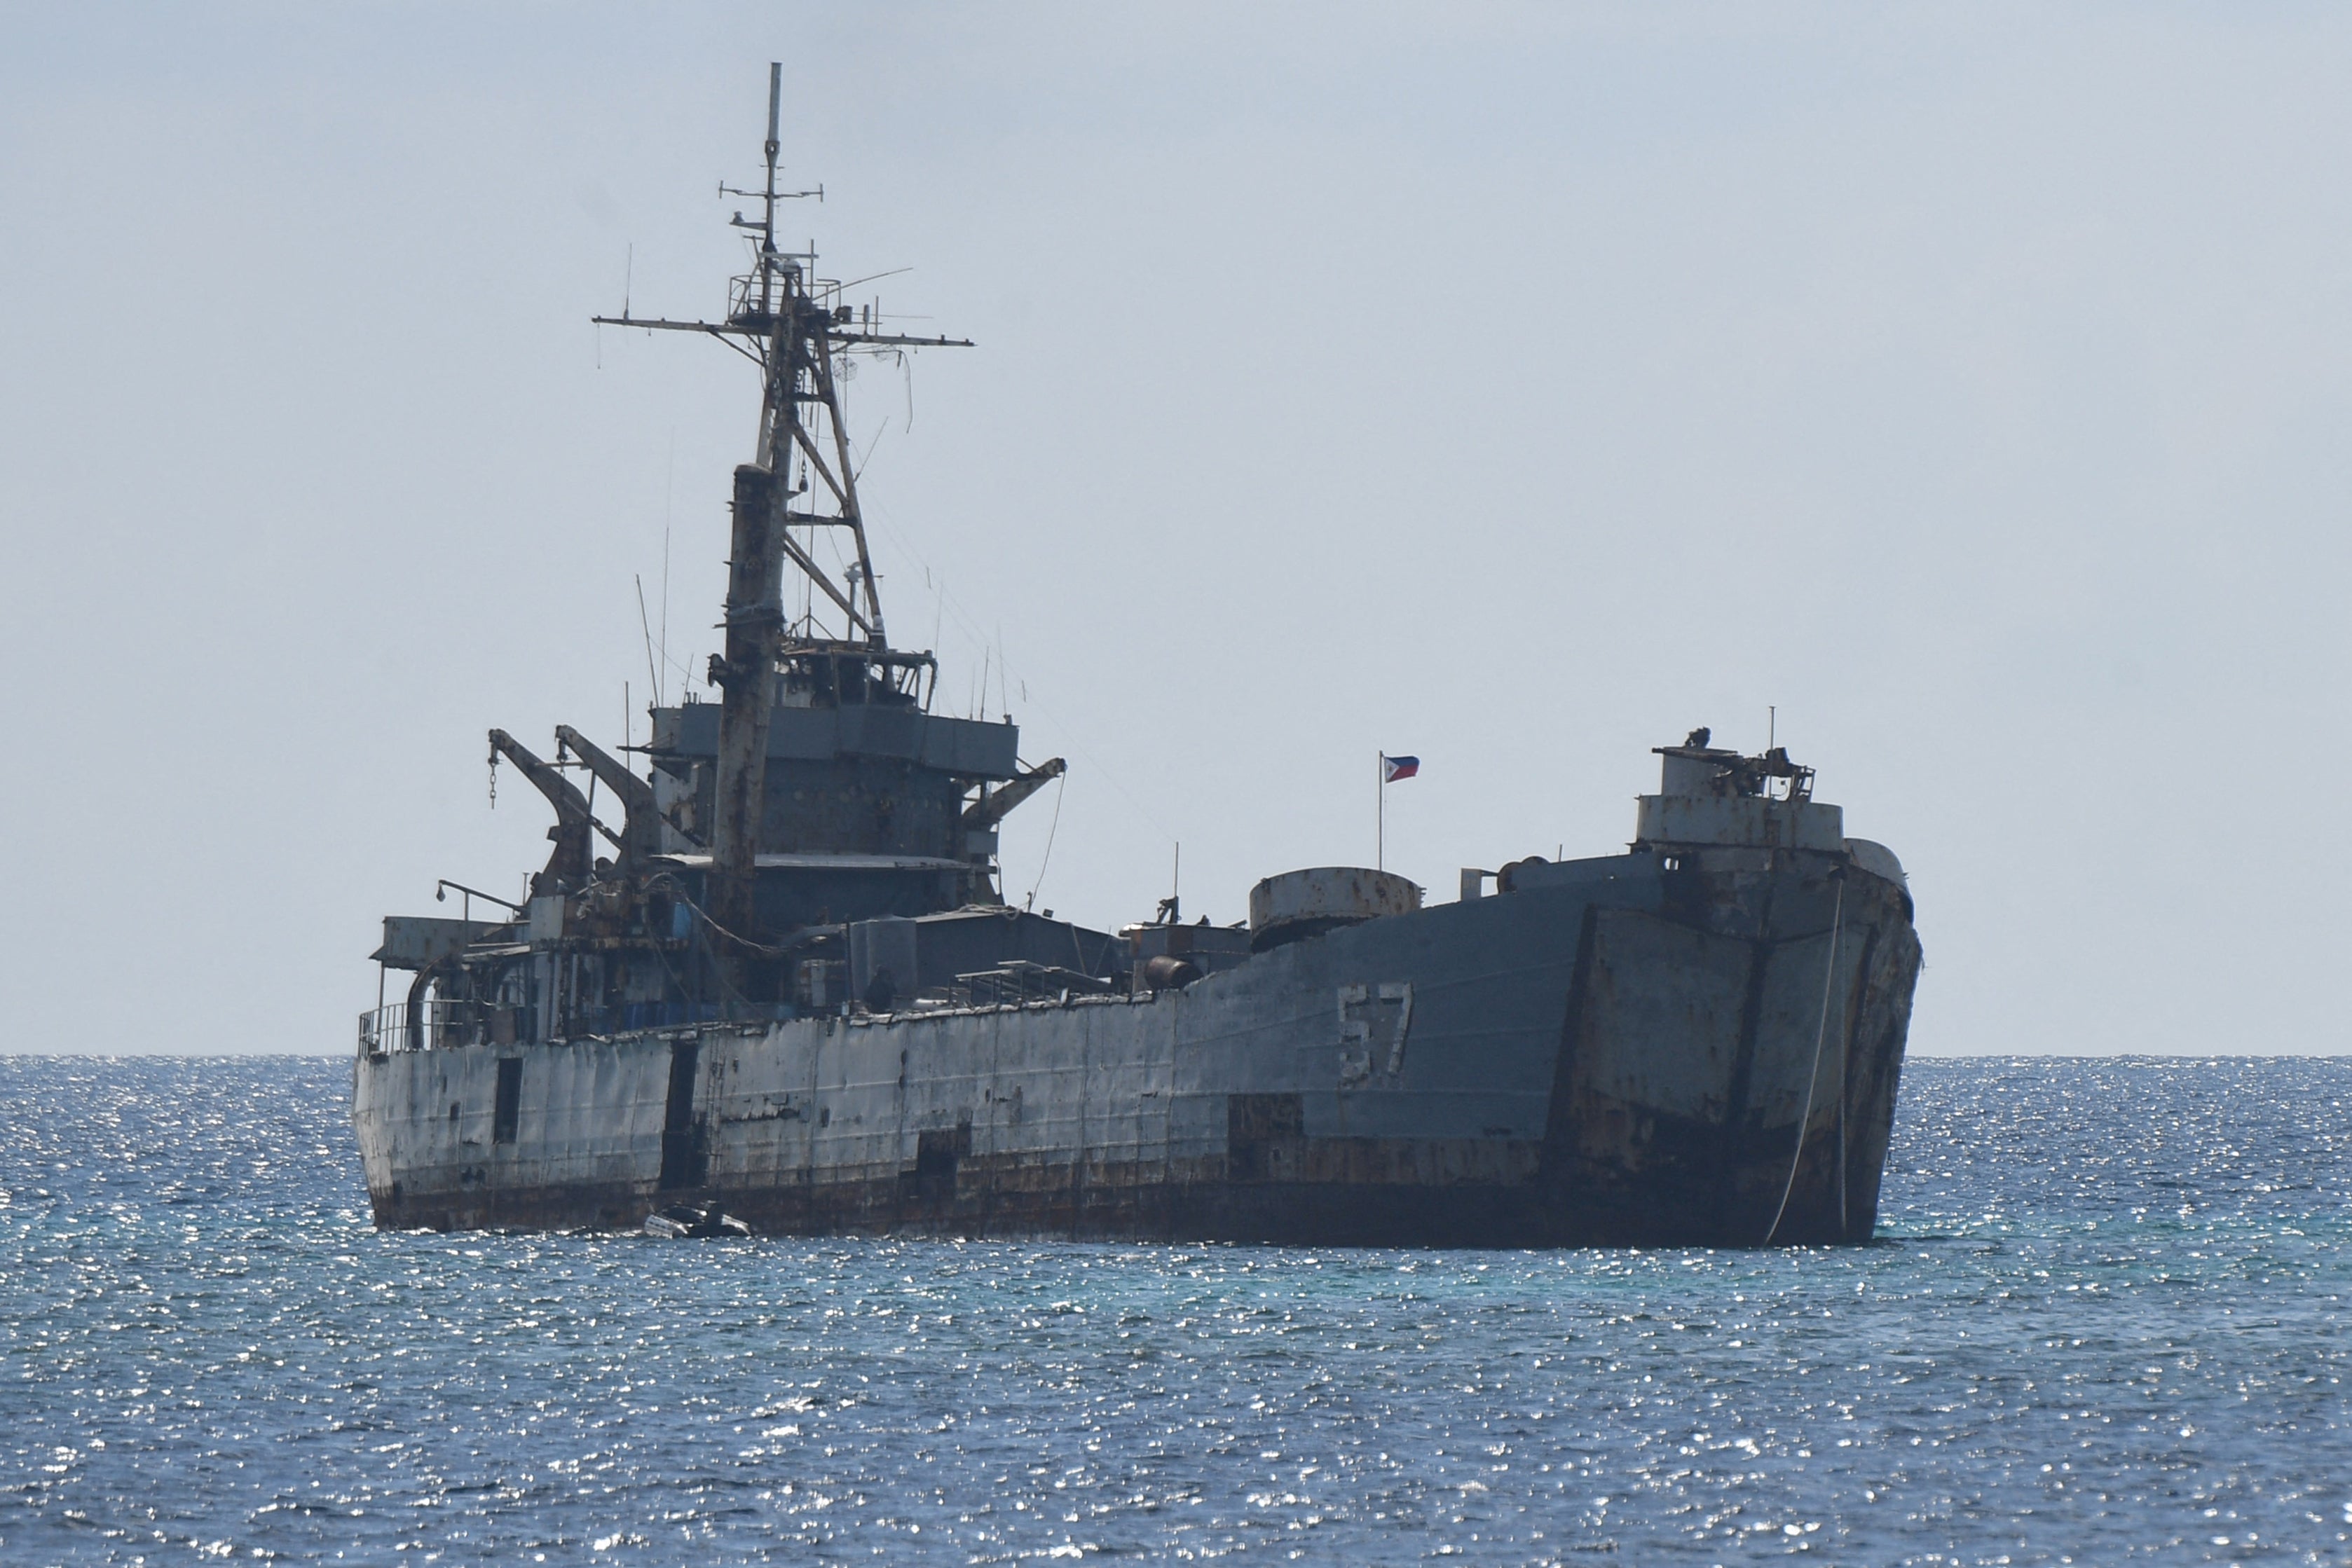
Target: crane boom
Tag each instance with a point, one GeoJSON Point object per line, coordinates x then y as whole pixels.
{"type": "Point", "coordinates": [994, 808]}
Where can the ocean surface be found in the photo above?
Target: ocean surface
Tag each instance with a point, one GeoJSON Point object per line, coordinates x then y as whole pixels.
{"type": "Point", "coordinates": [2106, 1324]}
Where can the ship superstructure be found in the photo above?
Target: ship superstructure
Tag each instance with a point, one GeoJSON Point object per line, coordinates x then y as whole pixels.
{"type": "Point", "coordinates": [787, 983]}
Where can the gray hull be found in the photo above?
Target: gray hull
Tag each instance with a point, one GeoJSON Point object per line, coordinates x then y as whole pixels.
{"type": "Point", "coordinates": [1640, 1050]}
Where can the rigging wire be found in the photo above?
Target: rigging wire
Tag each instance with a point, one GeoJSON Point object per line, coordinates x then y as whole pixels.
{"type": "Point", "coordinates": [879, 431]}
{"type": "Point", "coordinates": [870, 278]}
{"type": "Point", "coordinates": [1047, 858]}
{"type": "Point", "coordinates": [970, 628]}
{"type": "Point", "coordinates": [644, 625]}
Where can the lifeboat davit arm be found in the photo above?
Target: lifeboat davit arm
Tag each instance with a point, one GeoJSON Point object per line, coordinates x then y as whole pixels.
{"type": "Point", "coordinates": [573, 860]}
{"type": "Point", "coordinates": [641, 829]}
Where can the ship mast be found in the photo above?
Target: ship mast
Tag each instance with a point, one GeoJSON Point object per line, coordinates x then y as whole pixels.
{"type": "Point", "coordinates": [797, 329]}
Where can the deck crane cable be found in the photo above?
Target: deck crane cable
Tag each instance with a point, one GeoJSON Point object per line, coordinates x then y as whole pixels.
{"type": "Point", "coordinates": [1047, 858]}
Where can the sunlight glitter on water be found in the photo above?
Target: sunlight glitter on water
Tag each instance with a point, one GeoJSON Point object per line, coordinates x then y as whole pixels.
{"type": "Point", "coordinates": [2108, 1326]}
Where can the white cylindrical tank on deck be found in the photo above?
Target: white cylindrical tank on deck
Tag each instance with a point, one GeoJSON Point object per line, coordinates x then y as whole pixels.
{"type": "Point", "coordinates": [1300, 904]}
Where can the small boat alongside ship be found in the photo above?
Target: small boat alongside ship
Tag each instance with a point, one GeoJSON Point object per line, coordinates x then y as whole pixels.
{"type": "Point", "coordinates": [684, 1222]}
{"type": "Point", "coordinates": [786, 994]}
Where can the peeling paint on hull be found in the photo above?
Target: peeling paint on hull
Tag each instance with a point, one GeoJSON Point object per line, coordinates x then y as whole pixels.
{"type": "Point", "coordinates": [1620, 1051]}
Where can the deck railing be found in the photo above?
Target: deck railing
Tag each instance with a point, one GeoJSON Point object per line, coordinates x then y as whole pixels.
{"type": "Point", "coordinates": [440, 1024]}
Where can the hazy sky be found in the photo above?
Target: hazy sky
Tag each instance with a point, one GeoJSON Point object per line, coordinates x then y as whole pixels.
{"type": "Point", "coordinates": [1515, 386]}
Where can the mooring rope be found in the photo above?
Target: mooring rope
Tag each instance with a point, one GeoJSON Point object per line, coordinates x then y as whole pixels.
{"type": "Point", "coordinates": [1821, 1038]}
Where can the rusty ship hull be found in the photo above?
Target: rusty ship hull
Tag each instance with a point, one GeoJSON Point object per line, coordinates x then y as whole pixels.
{"type": "Point", "coordinates": [1652, 1048]}
{"type": "Point", "coordinates": [785, 990]}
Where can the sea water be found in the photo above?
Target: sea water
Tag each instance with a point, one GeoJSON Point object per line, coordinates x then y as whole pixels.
{"type": "Point", "coordinates": [2105, 1324]}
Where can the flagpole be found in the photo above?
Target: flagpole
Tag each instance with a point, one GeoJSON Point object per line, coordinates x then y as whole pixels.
{"type": "Point", "coordinates": [1380, 811]}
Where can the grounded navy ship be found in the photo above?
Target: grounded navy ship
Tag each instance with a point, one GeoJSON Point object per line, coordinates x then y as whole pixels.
{"type": "Point", "coordinates": [786, 991]}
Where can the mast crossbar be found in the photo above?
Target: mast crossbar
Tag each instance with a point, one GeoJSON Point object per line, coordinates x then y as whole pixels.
{"type": "Point", "coordinates": [763, 330]}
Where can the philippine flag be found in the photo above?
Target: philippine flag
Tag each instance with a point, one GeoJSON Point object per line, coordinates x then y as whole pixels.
{"type": "Point", "coordinates": [1395, 767]}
